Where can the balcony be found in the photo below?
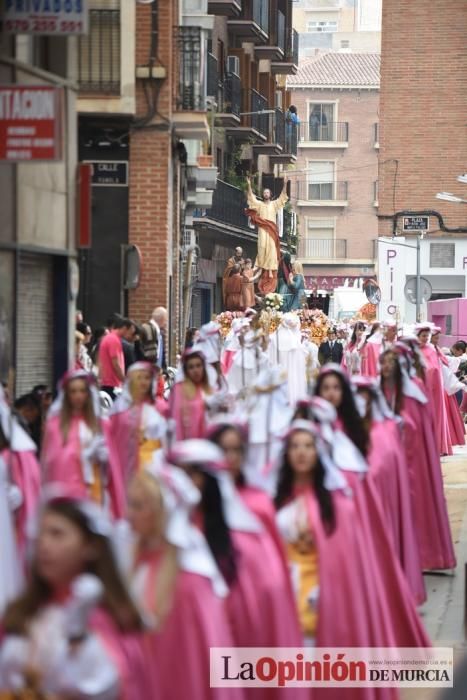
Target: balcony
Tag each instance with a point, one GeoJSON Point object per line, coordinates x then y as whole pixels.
{"type": "Point", "coordinates": [331, 135]}
{"type": "Point", "coordinates": [190, 119]}
{"type": "Point", "coordinates": [274, 130]}
{"type": "Point", "coordinates": [226, 94]}
{"type": "Point", "coordinates": [322, 194]}
{"type": "Point", "coordinates": [376, 135]}
{"type": "Point", "coordinates": [226, 212]}
{"type": "Point", "coordinates": [311, 249]}
{"type": "Point", "coordinates": [289, 147]}
{"type": "Point", "coordinates": [226, 8]}
{"type": "Point", "coordinates": [253, 22]}
{"type": "Point", "coordinates": [289, 64]}
{"type": "Point", "coordinates": [99, 54]}
{"type": "Point", "coordinates": [274, 50]}
{"type": "Point", "coordinates": [254, 126]}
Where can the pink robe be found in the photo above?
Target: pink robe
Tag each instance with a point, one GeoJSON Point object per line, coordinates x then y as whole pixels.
{"type": "Point", "coordinates": [261, 604]}
{"type": "Point", "coordinates": [370, 360]}
{"type": "Point", "coordinates": [426, 487]}
{"type": "Point", "coordinates": [389, 472]}
{"type": "Point", "coordinates": [62, 462]}
{"type": "Point", "coordinates": [349, 613]}
{"type": "Point", "coordinates": [189, 414]}
{"type": "Point", "coordinates": [25, 473]}
{"type": "Point", "coordinates": [456, 425]}
{"type": "Point", "coordinates": [196, 622]}
{"type": "Point", "coordinates": [131, 653]}
{"type": "Point", "coordinates": [435, 391]}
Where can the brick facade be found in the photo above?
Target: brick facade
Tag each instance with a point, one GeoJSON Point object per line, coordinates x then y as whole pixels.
{"type": "Point", "coordinates": [423, 108]}
{"type": "Point", "coordinates": [357, 164]}
{"type": "Point", "coordinates": [154, 219]}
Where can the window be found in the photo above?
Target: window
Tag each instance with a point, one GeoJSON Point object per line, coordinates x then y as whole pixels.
{"type": "Point", "coordinates": [322, 26]}
{"type": "Point", "coordinates": [321, 121]}
{"type": "Point", "coordinates": [345, 44]}
{"type": "Point", "coordinates": [320, 229]}
{"type": "Point", "coordinates": [442, 254]}
{"type": "Point", "coordinates": [99, 50]}
{"type": "Point", "coordinates": [320, 179]}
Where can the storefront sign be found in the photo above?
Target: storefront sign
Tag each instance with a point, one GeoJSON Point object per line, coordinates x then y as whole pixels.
{"type": "Point", "coordinates": [30, 123]}
{"type": "Point", "coordinates": [392, 257]}
{"type": "Point", "coordinates": [110, 173]}
{"type": "Point", "coordinates": [330, 283]}
{"type": "Point", "coordinates": [55, 17]}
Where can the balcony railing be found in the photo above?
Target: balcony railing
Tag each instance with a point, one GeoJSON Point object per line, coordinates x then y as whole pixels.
{"type": "Point", "coordinates": [291, 54]}
{"type": "Point", "coordinates": [278, 131]}
{"type": "Point", "coordinates": [213, 77]}
{"type": "Point", "coordinates": [322, 191]}
{"type": "Point", "coordinates": [291, 138]}
{"type": "Point", "coordinates": [335, 132]}
{"type": "Point", "coordinates": [231, 94]}
{"type": "Point", "coordinates": [192, 90]}
{"type": "Point", "coordinates": [280, 40]}
{"type": "Point", "coordinates": [99, 54]}
{"type": "Point", "coordinates": [322, 248]}
{"type": "Point", "coordinates": [258, 103]}
{"type": "Point", "coordinates": [228, 205]}
{"type": "Point", "coordinates": [260, 14]}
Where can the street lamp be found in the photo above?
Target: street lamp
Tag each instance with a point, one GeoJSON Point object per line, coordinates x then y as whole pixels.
{"type": "Point", "coordinates": [449, 197]}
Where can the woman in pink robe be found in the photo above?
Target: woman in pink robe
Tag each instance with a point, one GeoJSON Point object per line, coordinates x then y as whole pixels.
{"type": "Point", "coordinates": [137, 428]}
{"type": "Point", "coordinates": [176, 580]}
{"type": "Point", "coordinates": [456, 425]}
{"type": "Point", "coordinates": [19, 454]}
{"type": "Point", "coordinates": [355, 359]}
{"type": "Point", "coordinates": [74, 631]}
{"type": "Point", "coordinates": [78, 450]}
{"type": "Point", "coordinates": [388, 470]}
{"type": "Point", "coordinates": [407, 399]}
{"type": "Point", "coordinates": [339, 591]}
{"type": "Point", "coordinates": [261, 604]}
{"type": "Point", "coordinates": [435, 390]}
{"type": "Point", "coordinates": [397, 608]}
{"type": "Point", "coordinates": [187, 398]}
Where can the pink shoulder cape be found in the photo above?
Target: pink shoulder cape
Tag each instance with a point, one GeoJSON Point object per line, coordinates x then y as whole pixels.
{"type": "Point", "coordinates": [25, 472]}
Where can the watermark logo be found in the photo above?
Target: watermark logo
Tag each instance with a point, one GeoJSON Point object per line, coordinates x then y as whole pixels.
{"type": "Point", "coordinates": [254, 667]}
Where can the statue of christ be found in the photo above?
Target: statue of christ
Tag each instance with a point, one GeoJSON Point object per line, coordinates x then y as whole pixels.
{"type": "Point", "coordinates": [263, 214]}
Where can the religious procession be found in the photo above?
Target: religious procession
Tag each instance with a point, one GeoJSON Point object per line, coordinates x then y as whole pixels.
{"type": "Point", "coordinates": [280, 488]}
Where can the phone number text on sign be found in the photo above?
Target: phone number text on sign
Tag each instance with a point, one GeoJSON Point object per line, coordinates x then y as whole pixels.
{"type": "Point", "coordinates": [46, 17]}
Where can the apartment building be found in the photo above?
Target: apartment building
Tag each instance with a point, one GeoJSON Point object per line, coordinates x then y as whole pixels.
{"type": "Point", "coordinates": [338, 25]}
{"type": "Point", "coordinates": [334, 185]}
{"type": "Point", "coordinates": [38, 272]}
{"type": "Point", "coordinates": [253, 47]}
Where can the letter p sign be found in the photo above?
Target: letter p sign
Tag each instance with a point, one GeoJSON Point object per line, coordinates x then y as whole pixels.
{"type": "Point", "coordinates": [391, 253]}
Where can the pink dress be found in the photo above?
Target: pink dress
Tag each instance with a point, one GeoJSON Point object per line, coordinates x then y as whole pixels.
{"type": "Point", "coordinates": [389, 472]}
{"type": "Point", "coordinates": [456, 425]}
{"type": "Point", "coordinates": [261, 605]}
{"type": "Point", "coordinates": [25, 472]}
{"type": "Point", "coordinates": [189, 414]}
{"type": "Point", "coordinates": [196, 622]}
{"type": "Point", "coordinates": [426, 487]}
{"type": "Point", "coordinates": [435, 391]}
{"type": "Point", "coordinates": [370, 359]}
{"type": "Point", "coordinates": [63, 462]}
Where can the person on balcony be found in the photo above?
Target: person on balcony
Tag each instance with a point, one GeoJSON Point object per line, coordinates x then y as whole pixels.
{"type": "Point", "coordinates": [291, 127]}
{"type": "Point", "coordinates": [263, 214]}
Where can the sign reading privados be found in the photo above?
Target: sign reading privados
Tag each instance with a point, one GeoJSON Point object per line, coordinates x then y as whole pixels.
{"type": "Point", "coordinates": [30, 123]}
{"type": "Point", "coordinates": [46, 17]}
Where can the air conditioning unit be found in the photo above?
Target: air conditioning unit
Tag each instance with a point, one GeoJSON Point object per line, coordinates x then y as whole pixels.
{"type": "Point", "coordinates": [233, 65]}
{"type": "Point", "coordinates": [278, 101]}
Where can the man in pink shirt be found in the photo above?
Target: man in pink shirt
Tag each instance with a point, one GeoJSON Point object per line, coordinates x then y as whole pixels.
{"type": "Point", "coordinates": [111, 358]}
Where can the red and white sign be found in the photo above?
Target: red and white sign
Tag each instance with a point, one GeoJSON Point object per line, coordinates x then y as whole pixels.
{"type": "Point", "coordinates": [49, 17]}
{"type": "Point", "coordinates": [30, 123]}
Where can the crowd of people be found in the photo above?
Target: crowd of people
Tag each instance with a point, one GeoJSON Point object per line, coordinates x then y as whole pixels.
{"type": "Point", "coordinates": [282, 495]}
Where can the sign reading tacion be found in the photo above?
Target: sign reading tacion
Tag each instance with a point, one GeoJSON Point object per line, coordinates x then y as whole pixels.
{"type": "Point", "coordinates": [30, 123]}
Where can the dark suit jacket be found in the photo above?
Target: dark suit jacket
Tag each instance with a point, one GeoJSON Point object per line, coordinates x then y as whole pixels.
{"type": "Point", "coordinates": [326, 354]}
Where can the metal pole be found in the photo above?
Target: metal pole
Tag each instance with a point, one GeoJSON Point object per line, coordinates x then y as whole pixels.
{"type": "Point", "coordinates": [418, 292]}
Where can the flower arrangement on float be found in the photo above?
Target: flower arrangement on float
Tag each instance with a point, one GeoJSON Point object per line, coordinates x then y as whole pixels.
{"type": "Point", "coordinates": [273, 301]}
{"type": "Point", "coordinates": [316, 322]}
{"type": "Point", "coordinates": [225, 321]}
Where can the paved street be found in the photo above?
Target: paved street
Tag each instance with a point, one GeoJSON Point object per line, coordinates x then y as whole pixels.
{"type": "Point", "coordinates": [443, 613]}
